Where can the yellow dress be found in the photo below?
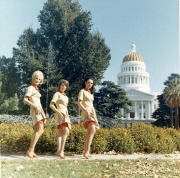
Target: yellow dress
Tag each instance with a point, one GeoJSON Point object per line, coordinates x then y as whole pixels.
{"type": "Point", "coordinates": [34, 97]}
{"type": "Point", "coordinates": [87, 101]}
{"type": "Point", "coordinates": [61, 102]}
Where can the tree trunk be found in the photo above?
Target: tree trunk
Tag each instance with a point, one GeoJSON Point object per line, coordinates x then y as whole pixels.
{"type": "Point", "coordinates": [171, 118]}
{"type": "Point", "coordinates": [177, 118]}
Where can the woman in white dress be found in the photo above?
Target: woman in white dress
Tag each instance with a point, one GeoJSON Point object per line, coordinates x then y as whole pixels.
{"type": "Point", "coordinates": [59, 105]}
{"type": "Point", "coordinates": [32, 98]}
{"type": "Point", "coordinates": [88, 114]}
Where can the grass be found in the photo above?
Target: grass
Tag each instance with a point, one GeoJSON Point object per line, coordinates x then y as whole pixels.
{"type": "Point", "coordinates": [140, 168]}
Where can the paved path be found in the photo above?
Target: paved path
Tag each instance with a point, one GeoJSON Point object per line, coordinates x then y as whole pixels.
{"type": "Point", "coordinates": [98, 157]}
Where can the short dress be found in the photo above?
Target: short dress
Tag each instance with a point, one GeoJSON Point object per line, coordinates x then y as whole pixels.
{"type": "Point", "coordinates": [34, 97]}
{"type": "Point", "coordinates": [87, 101]}
{"type": "Point", "coordinates": [61, 102]}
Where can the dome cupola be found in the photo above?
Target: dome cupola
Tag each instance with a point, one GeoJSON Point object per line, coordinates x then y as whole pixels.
{"type": "Point", "coordinates": [133, 73]}
{"type": "Point", "coordinates": [133, 56]}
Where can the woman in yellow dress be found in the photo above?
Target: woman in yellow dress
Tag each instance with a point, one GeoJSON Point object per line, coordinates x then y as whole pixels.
{"type": "Point", "coordinates": [32, 98]}
{"type": "Point", "coordinates": [88, 114]}
{"type": "Point", "coordinates": [59, 104]}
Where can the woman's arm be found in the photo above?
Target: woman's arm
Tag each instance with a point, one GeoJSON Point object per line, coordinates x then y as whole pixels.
{"type": "Point", "coordinates": [53, 107]}
{"type": "Point", "coordinates": [83, 108]}
{"type": "Point", "coordinates": [28, 102]}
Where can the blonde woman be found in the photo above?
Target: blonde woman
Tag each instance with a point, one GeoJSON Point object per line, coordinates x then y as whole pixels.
{"type": "Point", "coordinates": [59, 105]}
{"type": "Point", "coordinates": [32, 98]}
{"type": "Point", "coordinates": [88, 114]}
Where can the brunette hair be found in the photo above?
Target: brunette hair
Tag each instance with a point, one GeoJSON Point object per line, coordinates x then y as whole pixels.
{"type": "Point", "coordinates": [39, 74]}
{"type": "Point", "coordinates": [65, 82]}
{"type": "Point", "coordinates": [84, 85]}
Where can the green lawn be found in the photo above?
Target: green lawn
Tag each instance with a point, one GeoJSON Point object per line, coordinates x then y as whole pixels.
{"type": "Point", "coordinates": [141, 168]}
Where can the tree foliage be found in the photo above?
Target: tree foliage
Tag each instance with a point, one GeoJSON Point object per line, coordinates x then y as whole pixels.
{"type": "Point", "coordinates": [76, 51]}
{"type": "Point", "coordinates": [9, 86]}
{"type": "Point", "coordinates": [109, 99]}
{"type": "Point", "coordinates": [162, 113]}
{"type": "Point", "coordinates": [167, 114]}
{"type": "Point", "coordinates": [172, 95]}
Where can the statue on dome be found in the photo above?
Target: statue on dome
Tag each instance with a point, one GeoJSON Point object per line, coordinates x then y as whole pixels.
{"type": "Point", "coordinates": [133, 47]}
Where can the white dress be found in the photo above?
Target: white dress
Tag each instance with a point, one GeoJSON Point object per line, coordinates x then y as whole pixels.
{"type": "Point", "coordinates": [34, 97]}
{"type": "Point", "coordinates": [61, 102]}
{"type": "Point", "coordinates": [87, 101]}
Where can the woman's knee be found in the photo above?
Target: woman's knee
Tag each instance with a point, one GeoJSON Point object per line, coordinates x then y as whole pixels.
{"type": "Point", "coordinates": [66, 131]}
{"type": "Point", "coordinates": [92, 129]}
{"type": "Point", "coordinates": [39, 129]}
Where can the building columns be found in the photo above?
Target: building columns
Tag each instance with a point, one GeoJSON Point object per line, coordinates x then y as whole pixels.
{"type": "Point", "coordinates": [142, 110]}
{"type": "Point", "coordinates": [135, 110]}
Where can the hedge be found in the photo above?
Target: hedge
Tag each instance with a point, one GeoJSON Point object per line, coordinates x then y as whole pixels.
{"type": "Point", "coordinates": [142, 138]}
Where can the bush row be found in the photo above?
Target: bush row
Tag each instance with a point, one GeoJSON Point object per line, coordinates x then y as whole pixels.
{"type": "Point", "coordinates": [15, 137]}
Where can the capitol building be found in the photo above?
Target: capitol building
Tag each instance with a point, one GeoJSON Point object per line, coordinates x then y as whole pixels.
{"type": "Point", "coordinates": [134, 79]}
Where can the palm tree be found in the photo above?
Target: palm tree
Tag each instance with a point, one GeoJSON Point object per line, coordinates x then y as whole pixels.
{"type": "Point", "coordinates": [172, 97]}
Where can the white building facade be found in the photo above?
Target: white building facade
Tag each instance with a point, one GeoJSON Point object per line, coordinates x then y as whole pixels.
{"type": "Point", "coordinates": [134, 79]}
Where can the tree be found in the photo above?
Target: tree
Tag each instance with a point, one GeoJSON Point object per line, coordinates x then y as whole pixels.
{"type": "Point", "coordinates": [77, 51]}
{"type": "Point", "coordinates": [109, 99]}
{"type": "Point", "coordinates": [9, 86]}
{"type": "Point", "coordinates": [172, 97]}
{"type": "Point", "coordinates": [163, 114]}
{"type": "Point", "coordinates": [8, 105]}
{"type": "Point", "coordinates": [10, 77]}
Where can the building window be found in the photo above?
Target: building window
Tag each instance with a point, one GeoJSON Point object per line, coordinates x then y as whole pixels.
{"type": "Point", "coordinates": [144, 106]}
{"type": "Point", "coordinates": [139, 106]}
{"type": "Point", "coordinates": [132, 115]}
{"type": "Point", "coordinates": [129, 69]}
{"type": "Point", "coordinates": [132, 79]}
{"type": "Point", "coordinates": [144, 115]}
{"type": "Point", "coordinates": [132, 68]}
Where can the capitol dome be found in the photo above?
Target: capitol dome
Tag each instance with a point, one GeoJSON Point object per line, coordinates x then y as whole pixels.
{"type": "Point", "coordinates": [133, 56]}
{"type": "Point", "coordinates": [133, 73]}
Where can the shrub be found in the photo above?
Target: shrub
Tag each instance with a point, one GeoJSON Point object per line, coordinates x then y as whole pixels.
{"type": "Point", "coordinates": [75, 140]}
{"type": "Point", "coordinates": [120, 140]}
{"type": "Point", "coordinates": [175, 135]}
{"type": "Point", "coordinates": [144, 137]}
{"type": "Point", "coordinates": [15, 137]}
{"type": "Point", "coordinates": [165, 141]}
{"type": "Point", "coordinates": [99, 142]}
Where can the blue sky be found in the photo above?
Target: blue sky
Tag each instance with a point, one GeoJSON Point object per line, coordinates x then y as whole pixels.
{"type": "Point", "coordinates": [151, 24]}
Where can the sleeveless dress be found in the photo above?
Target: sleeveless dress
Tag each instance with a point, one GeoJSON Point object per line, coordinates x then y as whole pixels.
{"type": "Point", "coordinates": [34, 97]}
{"type": "Point", "coordinates": [87, 101]}
{"type": "Point", "coordinates": [61, 102]}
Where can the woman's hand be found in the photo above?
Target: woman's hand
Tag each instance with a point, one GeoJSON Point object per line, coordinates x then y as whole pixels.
{"type": "Point", "coordinates": [88, 114]}
{"type": "Point", "coordinates": [38, 110]}
{"type": "Point", "coordinates": [60, 114]}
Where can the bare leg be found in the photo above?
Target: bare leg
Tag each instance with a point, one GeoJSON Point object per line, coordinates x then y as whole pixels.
{"type": "Point", "coordinates": [59, 139]}
{"type": "Point", "coordinates": [62, 136]}
{"type": "Point", "coordinates": [38, 131]}
{"type": "Point", "coordinates": [88, 139]}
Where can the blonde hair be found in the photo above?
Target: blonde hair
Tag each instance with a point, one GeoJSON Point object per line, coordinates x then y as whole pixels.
{"type": "Point", "coordinates": [38, 73]}
{"type": "Point", "coordinates": [65, 82]}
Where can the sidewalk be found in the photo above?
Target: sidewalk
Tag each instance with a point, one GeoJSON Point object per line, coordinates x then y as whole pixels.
{"type": "Point", "coordinates": [98, 157]}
